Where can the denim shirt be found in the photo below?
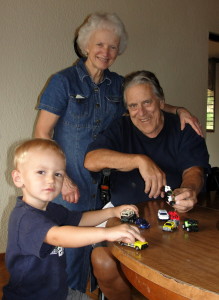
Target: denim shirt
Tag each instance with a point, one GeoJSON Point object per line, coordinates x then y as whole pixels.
{"type": "Point", "coordinates": [85, 109]}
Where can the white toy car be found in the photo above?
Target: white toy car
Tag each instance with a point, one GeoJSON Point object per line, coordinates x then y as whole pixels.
{"type": "Point", "coordinates": [163, 214]}
{"type": "Point", "coordinates": [128, 216]}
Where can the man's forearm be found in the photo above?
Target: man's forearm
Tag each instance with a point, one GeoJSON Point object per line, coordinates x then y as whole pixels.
{"type": "Point", "coordinates": [97, 160]}
{"type": "Point", "coordinates": [193, 178]}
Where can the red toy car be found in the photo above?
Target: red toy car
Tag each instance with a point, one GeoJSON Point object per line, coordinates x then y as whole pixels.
{"type": "Point", "coordinates": [174, 216]}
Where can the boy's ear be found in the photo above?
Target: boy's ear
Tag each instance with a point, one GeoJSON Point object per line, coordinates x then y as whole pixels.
{"type": "Point", "coordinates": [16, 176]}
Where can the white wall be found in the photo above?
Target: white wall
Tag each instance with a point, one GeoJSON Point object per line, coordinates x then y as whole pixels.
{"type": "Point", "coordinates": [168, 37]}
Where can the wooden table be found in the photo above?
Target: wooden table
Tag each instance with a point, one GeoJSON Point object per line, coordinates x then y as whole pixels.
{"type": "Point", "coordinates": [177, 265]}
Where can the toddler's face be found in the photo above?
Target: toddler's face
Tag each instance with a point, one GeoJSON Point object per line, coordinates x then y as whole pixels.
{"type": "Point", "coordinates": [42, 175]}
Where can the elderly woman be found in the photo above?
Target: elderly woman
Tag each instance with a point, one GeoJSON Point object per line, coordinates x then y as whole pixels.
{"type": "Point", "coordinates": [78, 103]}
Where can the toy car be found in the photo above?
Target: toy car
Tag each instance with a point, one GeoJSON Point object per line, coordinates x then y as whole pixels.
{"type": "Point", "coordinates": [169, 195]}
{"type": "Point", "coordinates": [138, 245]}
{"type": "Point", "coordinates": [174, 216]}
{"type": "Point", "coordinates": [163, 214]}
{"type": "Point", "coordinates": [190, 225]}
{"type": "Point", "coordinates": [142, 223]}
{"type": "Point", "coordinates": [128, 216]}
{"type": "Point", "coordinates": [169, 225]}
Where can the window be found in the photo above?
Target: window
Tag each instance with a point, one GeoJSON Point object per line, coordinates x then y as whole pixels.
{"type": "Point", "coordinates": [210, 111]}
{"type": "Point", "coordinates": [212, 61]}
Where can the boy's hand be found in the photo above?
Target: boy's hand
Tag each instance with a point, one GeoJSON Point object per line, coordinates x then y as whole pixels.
{"type": "Point", "coordinates": [125, 232]}
{"type": "Point", "coordinates": [117, 210]}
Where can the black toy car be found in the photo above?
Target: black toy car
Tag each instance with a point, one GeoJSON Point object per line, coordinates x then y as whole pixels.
{"type": "Point", "coordinates": [190, 225]}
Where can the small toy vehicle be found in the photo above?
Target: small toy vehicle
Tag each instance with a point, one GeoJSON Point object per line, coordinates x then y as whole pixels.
{"type": "Point", "coordinates": [169, 195]}
{"type": "Point", "coordinates": [128, 216]}
{"type": "Point", "coordinates": [142, 223]}
{"type": "Point", "coordinates": [190, 225]}
{"type": "Point", "coordinates": [174, 216]}
{"type": "Point", "coordinates": [138, 245]}
{"type": "Point", "coordinates": [163, 214]}
{"type": "Point", "coordinates": [169, 226]}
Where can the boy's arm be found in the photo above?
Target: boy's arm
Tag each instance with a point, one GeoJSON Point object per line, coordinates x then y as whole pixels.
{"type": "Point", "coordinates": [74, 237]}
{"type": "Point", "coordinates": [94, 218]}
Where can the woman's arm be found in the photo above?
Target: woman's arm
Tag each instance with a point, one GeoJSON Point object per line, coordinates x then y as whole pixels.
{"type": "Point", "coordinates": [44, 129]}
{"type": "Point", "coordinates": [185, 117]}
{"type": "Point", "coordinates": [45, 124]}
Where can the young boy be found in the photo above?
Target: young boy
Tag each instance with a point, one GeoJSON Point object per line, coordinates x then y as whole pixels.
{"type": "Point", "coordinates": [39, 229]}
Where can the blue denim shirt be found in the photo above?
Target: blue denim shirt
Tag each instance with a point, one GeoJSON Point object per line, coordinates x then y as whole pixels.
{"type": "Point", "coordinates": [85, 109]}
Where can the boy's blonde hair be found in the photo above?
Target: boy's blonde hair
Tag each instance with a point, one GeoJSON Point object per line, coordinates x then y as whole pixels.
{"type": "Point", "coordinates": [22, 150]}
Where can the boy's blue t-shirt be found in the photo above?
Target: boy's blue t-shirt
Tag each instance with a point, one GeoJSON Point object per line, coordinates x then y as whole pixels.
{"type": "Point", "coordinates": [37, 270]}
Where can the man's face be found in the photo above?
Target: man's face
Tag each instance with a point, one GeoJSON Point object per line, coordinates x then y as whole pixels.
{"type": "Point", "coordinates": [145, 109]}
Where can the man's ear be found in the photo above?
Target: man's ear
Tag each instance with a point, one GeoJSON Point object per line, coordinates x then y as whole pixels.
{"type": "Point", "coordinates": [16, 176]}
{"type": "Point", "coordinates": [162, 103]}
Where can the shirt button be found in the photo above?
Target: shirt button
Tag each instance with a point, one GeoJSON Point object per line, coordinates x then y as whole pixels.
{"type": "Point", "coordinates": [94, 136]}
{"type": "Point", "coordinates": [96, 89]}
{"type": "Point", "coordinates": [93, 196]}
{"type": "Point", "coordinates": [97, 105]}
{"type": "Point", "coordinates": [98, 121]}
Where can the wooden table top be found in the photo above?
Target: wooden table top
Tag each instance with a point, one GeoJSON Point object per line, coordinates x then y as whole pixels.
{"type": "Point", "coordinates": [184, 263]}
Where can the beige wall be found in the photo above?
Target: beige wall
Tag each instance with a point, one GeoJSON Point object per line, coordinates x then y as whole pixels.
{"type": "Point", "coordinates": [168, 37]}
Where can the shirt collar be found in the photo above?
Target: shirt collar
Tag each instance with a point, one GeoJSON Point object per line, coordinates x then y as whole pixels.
{"type": "Point", "coordinates": [82, 72]}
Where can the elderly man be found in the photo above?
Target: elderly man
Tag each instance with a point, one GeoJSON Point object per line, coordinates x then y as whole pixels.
{"type": "Point", "coordinates": [148, 150]}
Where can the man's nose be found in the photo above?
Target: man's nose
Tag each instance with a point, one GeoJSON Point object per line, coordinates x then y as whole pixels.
{"type": "Point", "coordinates": [141, 109]}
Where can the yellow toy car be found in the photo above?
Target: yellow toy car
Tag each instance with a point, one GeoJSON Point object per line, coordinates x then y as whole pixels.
{"type": "Point", "coordinates": [169, 225]}
{"type": "Point", "coordinates": [138, 245]}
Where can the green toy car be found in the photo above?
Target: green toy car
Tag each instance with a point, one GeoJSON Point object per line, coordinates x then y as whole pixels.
{"type": "Point", "coordinates": [190, 225]}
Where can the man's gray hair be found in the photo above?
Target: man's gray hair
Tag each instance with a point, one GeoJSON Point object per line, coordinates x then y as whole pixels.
{"type": "Point", "coordinates": [144, 77]}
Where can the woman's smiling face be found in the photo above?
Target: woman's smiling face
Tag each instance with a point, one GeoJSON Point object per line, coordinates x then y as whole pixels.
{"type": "Point", "coordinates": [102, 50]}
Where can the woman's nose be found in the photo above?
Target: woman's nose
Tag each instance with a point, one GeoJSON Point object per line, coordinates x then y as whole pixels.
{"type": "Point", "coordinates": [105, 50]}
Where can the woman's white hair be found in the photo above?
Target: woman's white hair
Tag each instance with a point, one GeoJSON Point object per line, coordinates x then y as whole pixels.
{"type": "Point", "coordinates": [97, 21]}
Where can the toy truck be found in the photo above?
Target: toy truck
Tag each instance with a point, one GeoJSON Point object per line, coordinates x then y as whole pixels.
{"type": "Point", "coordinates": [169, 195]}
{"type": "Point", "coordinates": [190, 225]}
{"type": "Point", "coordinates": [128, 216]}
{"type": "Point", "coordinates": [138, 245]}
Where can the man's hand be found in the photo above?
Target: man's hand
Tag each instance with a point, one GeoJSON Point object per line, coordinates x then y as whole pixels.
{"type": "Point", "coordinates": [153, 176]}
{"type": "Point", "coordinates": [186, 117]}
{"type": "Point", "coordinates": [185, 199]}
{"type": "Point", "coordinates": [70, 191]}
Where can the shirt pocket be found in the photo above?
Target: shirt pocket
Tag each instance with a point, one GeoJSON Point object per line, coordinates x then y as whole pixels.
{"type": "Point", "coordinates": [78, 106]}
{"type": "Point", "coordinates": [115, 106]}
